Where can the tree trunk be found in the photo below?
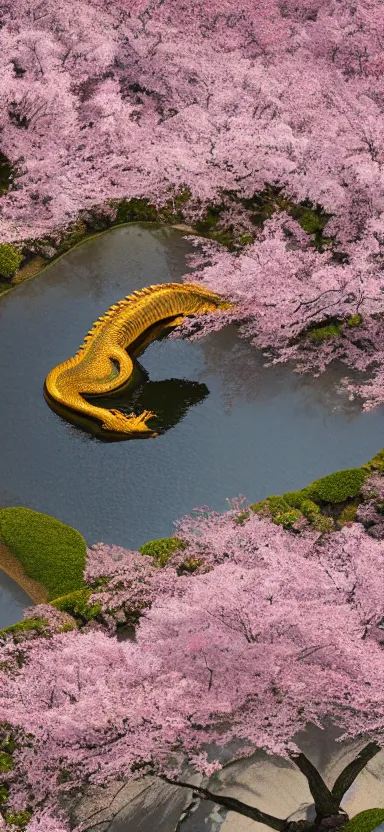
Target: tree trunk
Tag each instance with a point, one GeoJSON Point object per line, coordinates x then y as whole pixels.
{"type": "Point", "coordinates": [327, 802]}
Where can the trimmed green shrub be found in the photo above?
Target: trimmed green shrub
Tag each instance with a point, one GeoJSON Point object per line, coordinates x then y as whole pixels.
{"type": "Point", "coordinates": [337, 487]}
{"type": "Point", "coordinates": [365, 821]}
{"type": "Point", "coordinates": [282, 513]}
{"type": "Point", "coordinates": [10, 259]}
{"type": "Point", "coordinates": [162, 548]}
{"type": "Point", "coordinates": [76, 604]}
{"type": "Point", "coordinates": [309, 509]}
{"type": "Point", "coordinates": [49, 551]}
{"type": "Point", "coordinates": [296, 498]}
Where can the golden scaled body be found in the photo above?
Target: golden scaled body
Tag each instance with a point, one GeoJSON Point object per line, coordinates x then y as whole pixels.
{"type": "Point", "coordinates": [102, 364]}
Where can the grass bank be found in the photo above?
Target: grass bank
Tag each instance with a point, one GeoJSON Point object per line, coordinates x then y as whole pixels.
{"type": "Point", "coordinates": [49, 552]}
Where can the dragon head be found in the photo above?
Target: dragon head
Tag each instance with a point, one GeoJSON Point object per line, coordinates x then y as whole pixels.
{"type": "Point", "coordinates": [204, 301]}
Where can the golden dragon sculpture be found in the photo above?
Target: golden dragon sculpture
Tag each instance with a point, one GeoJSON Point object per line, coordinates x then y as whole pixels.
{"type": "Point", "coordinates": [102, 364]}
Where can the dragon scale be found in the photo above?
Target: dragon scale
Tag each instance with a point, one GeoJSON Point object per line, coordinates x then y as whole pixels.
{"type": "Point", "coordinates": [102, 363]}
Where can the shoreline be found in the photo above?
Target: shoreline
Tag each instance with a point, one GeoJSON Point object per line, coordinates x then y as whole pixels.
{"type": "Point", "coordinates": [13, 568]}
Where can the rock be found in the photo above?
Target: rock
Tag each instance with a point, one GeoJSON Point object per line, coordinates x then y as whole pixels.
{"type": "Point", "coordinates": [95, 221]}
{"type": "Point", "coordinates": [48, 252]}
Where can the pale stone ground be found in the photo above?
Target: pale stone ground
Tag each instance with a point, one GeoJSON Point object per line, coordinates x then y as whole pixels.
{"type": "Point", "coordinates": [272, 784]}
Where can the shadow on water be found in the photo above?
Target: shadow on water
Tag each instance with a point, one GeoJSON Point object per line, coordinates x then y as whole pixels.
{"type": "Point", "coordinates": [227, 425]}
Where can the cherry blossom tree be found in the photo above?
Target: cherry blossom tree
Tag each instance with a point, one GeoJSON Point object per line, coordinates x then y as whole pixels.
{"type": "Point", "coordinates": [154, 98]}
{"type": "Point", "coordinates": [275, 631]}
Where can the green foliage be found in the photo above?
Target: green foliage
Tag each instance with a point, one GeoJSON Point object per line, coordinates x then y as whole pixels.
{"type": "Point", "coordinates": [6, 174]}
{"type": "Point", "coordinates": [348, 515]}
{"type": "Point", "coordinates": [136, 210]}
{"type": "Point", "coordinates": [324, 332]}
{"type": "Point", "coordinates": [76, 604]}
{"type": "Point", "coordinates": [322, 524]}
{"type": "Point", "coordinates": [10, 259]}
{"type": "Point", "coordinates": [6, 762]}
{"type": "Point", "coordinates": [282, 513]}
{"type": "Point", "coordinates": [241, 517]}
{"type": "Point", "coordinates": [189, 566]}
{"type": "Point", "coordinates": [75, 233]}
{"type": "Point", "coordinates": [309, 509]}
{"type": "Point", "coordinates": [245, 239]}
{"type": "Point", "coordinates": [365, 821]}
{"type": "Point", "coordinates": [40, 625]}
{"type": "Point", "coordinates": [376, 463]}
{"type": "Point", "coordinates": [4, 288]}
{"type": "Point", "coordinates": [311, 221]}
{"type": "Point", "coordinates": [296, 498]}
{"type": "Point", "coordinates": [50, 552]}
{"type": "Point", "coordinates": [354, 320]}
{"type": "Point", "coordinates": [162, 549]}
{"type": "Point", "coordinates": [64, 776]}
{"type": "Point", "coordinates": [18, 819]}
{"type": "Point", "coordinates": [337, 487]}
{"type": "Point", "coordinates": [4, 792]}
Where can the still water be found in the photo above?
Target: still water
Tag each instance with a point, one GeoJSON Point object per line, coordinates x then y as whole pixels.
{"type": "Point", "coordinates": [231, 426]}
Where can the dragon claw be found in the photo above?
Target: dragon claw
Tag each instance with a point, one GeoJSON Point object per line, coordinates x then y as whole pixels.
{"type": "Point", "coordinates": [118, 422]}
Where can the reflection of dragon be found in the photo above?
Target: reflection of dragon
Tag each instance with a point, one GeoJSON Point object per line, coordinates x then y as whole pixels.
{"type": "Point", "coordinates": [102, 364]}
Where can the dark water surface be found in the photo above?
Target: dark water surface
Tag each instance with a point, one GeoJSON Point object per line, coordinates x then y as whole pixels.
{"type": "Point", "coordinates": [13, 600]}
{"type": "Point", "coordinates": [242, 428]}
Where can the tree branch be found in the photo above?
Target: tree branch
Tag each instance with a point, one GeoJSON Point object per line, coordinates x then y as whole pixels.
{"type": "Point", "coordinates": [350, 772]}
{"type": "Point", "coordinates": [232, 804]}
{"type": "Point", "coordinates": [326, 802]}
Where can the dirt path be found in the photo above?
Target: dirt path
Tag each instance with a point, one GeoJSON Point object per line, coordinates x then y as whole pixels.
{"type": "Point", "coordinates": [12, 567]}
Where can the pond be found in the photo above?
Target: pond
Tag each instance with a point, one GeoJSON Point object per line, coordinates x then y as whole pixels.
{"type": "Point", "coordinates": [231, 426]}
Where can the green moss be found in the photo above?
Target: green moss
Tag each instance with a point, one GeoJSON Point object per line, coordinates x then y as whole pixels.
{"type": "Point", "coordinates": [50, 552]}
{"type": "Point", "coordinates": [39, 624]}
{"type": "Point", "coordinates": [6, 762]}
{"type": "Point", "coordinates": [337, 487]}
{"type": "Point", "coordinates": [354, 320]}
{"type": "Point", "coordinates": [162, 549]}
{"type": "Point", "coordinates": [77, 604]}
{"type": "Point", "coordinates": [18, 819]}
{"type": "Point", "coordinates": [365, 821]}
{"type": "Point", "coordinates": [324, 332]}
{"type": "Point", "coordinates": [10, 259]}
{"type": "Point", "coordinates": [348, 515]}
{"type": "Point", "coordinates": [136, 210]}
